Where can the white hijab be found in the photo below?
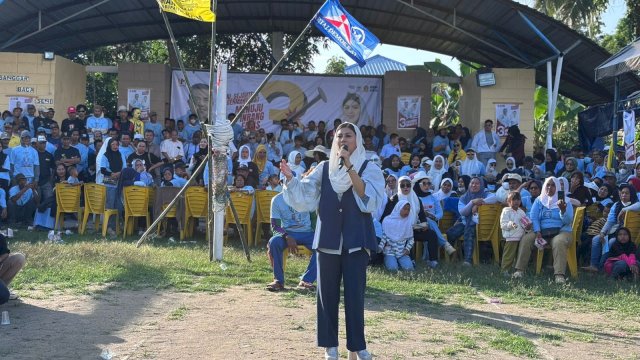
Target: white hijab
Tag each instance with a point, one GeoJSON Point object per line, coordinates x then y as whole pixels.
{"type": "Point", "coordinates": [391, 191]}
{"type": "Point", "coordinates": [397, 227]}
{"type": "Point", "coordinates": [412, 198]}
{"type": "Point", "coordinates": [436, 174]}
{"type": "Point", "coordinates": [241, 160]}
{"type": "Point", "coordinates": [471, 167]}
{"type": "Point", "coordinates": [340, 180]}
{"type": "Point", "coordinates": [291, 161]}
{"type": "Point", "coordinates": [551, 202]}
{"type": "Point", "coordinates": [99, 157]}
{"type": "Point", "coordinates": [513, 168]}
{"type": "Point", "coordinates": [441, 195]}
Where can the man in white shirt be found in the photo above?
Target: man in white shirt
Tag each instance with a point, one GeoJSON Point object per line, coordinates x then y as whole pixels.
{"type": "Point", "coordinates": [486, 143]}
{"type": "Point", "coordinates": [172, 149]}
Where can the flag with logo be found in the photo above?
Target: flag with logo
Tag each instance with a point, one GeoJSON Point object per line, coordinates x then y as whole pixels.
{"type": "Point", "coordinates": [193, 9]}
{"type": "Point", "coordinates": [338, 25]}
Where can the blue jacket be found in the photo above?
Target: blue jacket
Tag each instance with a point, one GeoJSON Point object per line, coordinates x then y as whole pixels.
{"type": "Point", "coordinates": [545, 218]}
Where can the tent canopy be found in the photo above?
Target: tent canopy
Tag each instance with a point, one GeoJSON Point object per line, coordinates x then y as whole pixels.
{"type": "Point", "coordinates": [493, 33]}
{"type": "Point", "coordinates": [626, 60]}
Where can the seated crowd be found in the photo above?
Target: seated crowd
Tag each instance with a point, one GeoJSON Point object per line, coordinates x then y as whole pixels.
{"type": "Point", "coordinates": [447, 171]}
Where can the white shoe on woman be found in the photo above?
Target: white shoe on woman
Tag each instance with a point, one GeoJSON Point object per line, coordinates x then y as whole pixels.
{"type": "Point", "coordinates": [331, 353]}
{"type": "Point", "coordinates": [360, 355]}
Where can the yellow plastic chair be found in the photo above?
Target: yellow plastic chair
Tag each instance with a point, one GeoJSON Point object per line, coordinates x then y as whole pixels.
{"type": "Point", "coordinates": [302, 251]}
{"type": "Point", "coordinates": [632, 222]}
{"type": "Point", "coordinates": [136, 204]}
{"type": "Point", "coordinates": [95, 196]}
{"type": "Point", "coordinates": [405, 157]}
{"type": "Point", "coordinates": [165, 221]}
{"type": "Point", "coordinates": [196, 206]}
{"type": "Point", "coordinates": [576, 231]}
{"type": "Point", "coordinates": [594, 212]}
{"type": "Point", "coordinates": [68, 202]}
{"type": "Point", "coordinates": [487, 230]}
{"type": "Point", "coordinates": [263, 210]}
{"type": "Point", "coordinates": [243, 203]}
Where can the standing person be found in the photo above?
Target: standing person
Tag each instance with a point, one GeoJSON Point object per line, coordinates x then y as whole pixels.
{"type": "Point", "coordinates": [344, 243]}
{"type": "Point", "coordinates": [486, 143]}
{"type": "Point", "coordinates": [514, 145]}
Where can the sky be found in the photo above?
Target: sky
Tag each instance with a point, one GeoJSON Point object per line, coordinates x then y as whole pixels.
{"type": "Point", "coordinates": [409, 56]}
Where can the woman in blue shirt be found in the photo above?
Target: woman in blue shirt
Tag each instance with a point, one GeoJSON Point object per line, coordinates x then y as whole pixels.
{"type": "Point", "coordinates": [393, 166]}
{"type": "Point", "coordinates": [552, 219]}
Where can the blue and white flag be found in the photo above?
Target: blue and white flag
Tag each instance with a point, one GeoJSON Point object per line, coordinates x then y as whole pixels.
{"type": "Point", "coordinates": [338, 25]}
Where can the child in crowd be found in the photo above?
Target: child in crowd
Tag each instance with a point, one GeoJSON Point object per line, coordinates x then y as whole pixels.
{"type": "Point", "coordinates": [397, 237]}
{"type": "Point", "coordinates": [73, 176]}
{"type": "Point", "coordinates": [273, 183]}
{"type": "Point", "coordinates": [621, 259]}
{"type": "Point", "coordinates": [514, 224]}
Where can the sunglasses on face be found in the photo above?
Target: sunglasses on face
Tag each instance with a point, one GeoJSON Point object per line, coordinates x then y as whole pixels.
{"type": "Point", "coordinates": [425, 183]}
{"type": "Point", "coordinates": [533, 188]}
{"type": "Point", "coordinates": [405, 185]}
{"type": "Point", "coordinates": [456, 146]}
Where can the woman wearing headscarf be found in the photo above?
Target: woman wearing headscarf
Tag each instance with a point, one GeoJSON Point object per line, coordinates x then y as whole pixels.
{"type": "Point", "coordinates": [570, 167]}
{"type": "Point", "coordinates": [397, 237]}
{"type": "Point", "coordinates": [600, 243]}
{"type": "Point", "coordinates": [514, 145]}
{"type": "Point", "coordinates": [475, 196]}
{"type": "Point", "coordinates": [112, 164]}
{"type": "Point", "coordinates": [142, 177]}
{"type": "Point", "coordinates": [393, 165]}
{"type": "Point", "coordinates": [446, 190]}
{"type": "Point", "coordinates": [552, 219]}
{"type": "Point", "coordinates": [550, 163]}
{"type": "Point", "coordinates": [244, 159]}
{"type": "Point", "coordinates": [472, 166]}
{"type": "Point", "coordinates": [345, 196]}
{"type": "Point", "coordinates": [265, 168]}
{"type": "Point", "coordinates": [422, 186]}
{"type": "Point", "coordinates": [169, 179]}
{"type": "Point", "coordinates": [294, 161]}
{"type": "Point", "coordinates": [457, 153]}
{"type": "Point", "coordinates": [420, 136]}
{"type": "Point", "coordinates": [198, 157]}
{"type": "Point", "coordinates": [511, 168]}
{"type": "Point", "coordinates": [439, 171]}
{"type": "Point", "coordinates": [491, 175]}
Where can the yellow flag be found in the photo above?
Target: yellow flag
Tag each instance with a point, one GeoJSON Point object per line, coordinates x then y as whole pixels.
{"type": "Point", "coordinates": [193, 9]}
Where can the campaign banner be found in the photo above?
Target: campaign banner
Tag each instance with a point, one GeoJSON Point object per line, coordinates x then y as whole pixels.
{"type": "Point", "coordinates": [507, 115]}
{"type": "Point", "coordinates": [21, 102]}
{"type": "Point", "coordinates": [301, 98]}
{"type": "Point", "coordinates": [409, 112]}
{"type": "Point", "coordinates": [629, 126]}
{"type": "Point", "coordinates": [141, 99]}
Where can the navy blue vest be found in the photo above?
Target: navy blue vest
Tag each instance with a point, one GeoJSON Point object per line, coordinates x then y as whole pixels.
{"type": "Point", "coordinates": [343, 217]}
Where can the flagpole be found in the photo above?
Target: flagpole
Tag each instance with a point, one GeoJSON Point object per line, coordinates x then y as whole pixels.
{"type": "Point", "coordinates": [212, 120]}
{"type": "Point", "coordinates": [275, 68]}
{"type": "Point", "coordinates": [192, 104]}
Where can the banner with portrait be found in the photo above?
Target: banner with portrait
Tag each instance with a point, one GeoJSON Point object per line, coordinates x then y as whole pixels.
{"type": "Point", "coordinates": [141, 99]}
{"type": "Point", "coordinates": [298, 97]}
{"type": "Point", "coordinates": [507, 115]}
{"type": "Point", "coordinates": [409, 112]}
{"type": "Point", "coordinates": [21, 102]}
{"type": "Point", "coordinates": [629, 126]}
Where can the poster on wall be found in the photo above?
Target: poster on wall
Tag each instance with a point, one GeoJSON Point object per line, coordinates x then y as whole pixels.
{"type": "Point", "coordinates": [629, 126]}
{"type": "Point", "coordinates": [298, 97]}
{"type": "Point", "coordinates": [507, 115]}
{"type": "Point", "coordinates": [409, 112]}
{"type": "Point", "coordinates": [141, 99]}
{"type": "Point", "coordinates": [21, 102]}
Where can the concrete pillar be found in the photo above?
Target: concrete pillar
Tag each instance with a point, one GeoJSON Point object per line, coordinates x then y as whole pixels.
{"type": "Point", "coordinates": [277, 44]}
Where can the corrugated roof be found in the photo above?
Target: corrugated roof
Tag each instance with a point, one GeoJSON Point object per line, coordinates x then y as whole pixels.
{"type": "Point", "coordinates": [476, 38]}
{"type": "Point", "coordinates": [376, 65]}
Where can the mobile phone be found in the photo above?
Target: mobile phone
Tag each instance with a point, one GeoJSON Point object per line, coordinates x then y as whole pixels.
{"type": "Point", "coordinates": [560, 194]}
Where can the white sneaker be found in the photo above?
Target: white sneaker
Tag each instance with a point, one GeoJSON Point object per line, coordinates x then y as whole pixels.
{"type": "Point", "coordinates": [360, 355]}
{"type": "Point", "coordinates": [517, 275]}
{"type": "Point", "coordinates": [13, 296]}
{"type": "Point", "coordinates": [433, 264]}
{"type": "Point", "coordinates": [331, 353]}
{"type": "Point", "coordinates": [466, 264]}
{"type": "Point", "coordinates": [30, 228]}
{"type": "Point", "coordinates": [560, 279]}
{"type": "Point", "coordinates": [450, 250]}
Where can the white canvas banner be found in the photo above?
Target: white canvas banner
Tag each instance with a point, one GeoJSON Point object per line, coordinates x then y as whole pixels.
{"type": "Point", "coordinates": [629, 126]}
{"type": "Point", "coordinates": [307, 97]}
{"type": "Point", "coordinates": [507, 115]}
{"type": "Point", "coordinates": [141, 99]}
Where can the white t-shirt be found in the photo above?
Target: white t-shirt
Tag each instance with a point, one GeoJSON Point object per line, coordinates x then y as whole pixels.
{"type": "Point", "coordinates": [172, 148]}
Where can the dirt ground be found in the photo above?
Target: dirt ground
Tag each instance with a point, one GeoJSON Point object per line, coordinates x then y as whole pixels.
{"type": "Point", "coordinates": [251, 323]}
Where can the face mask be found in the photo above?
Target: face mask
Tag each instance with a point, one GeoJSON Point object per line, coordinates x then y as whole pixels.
{"type": "Point", "coordinates": [461, 189]}
{"type": "Point", "coordinates": [505, 185]}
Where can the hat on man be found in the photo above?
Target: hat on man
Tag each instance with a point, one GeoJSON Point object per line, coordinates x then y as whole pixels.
{"type": "Point", "coordinates": [4, 136]}
{"type": "Point", "coordinates": [42, 109]}
{"type": "Point", "coordinates": [318, 148]}
{"type": "Point", "coordinates": [609, 174]}
{"type": "Point", "coordinates": [243, 167]}
{"type": "Point", "coordinates": [84, 136]}
{"type": "Point", "coordinates": [42, 138]}
{"type": "Point", "coordinates": [19, 176]}
{"type": "Point", "coordinates": [424, 160]}
{"type": "Point", "coordinates": [138, 137]}
{"type": "Point", "coordinates": [71, 110]}
{"type": "Point", "coordinates": [25, 133]}
{"type": "Point", "coordinates": [512, 176]}
{"type": "Point", "coordinates": [122, 108]}
{"type": "Point", "coordinates": [51, 109]}
{"type": "Point", "coordinates": [33, 140]}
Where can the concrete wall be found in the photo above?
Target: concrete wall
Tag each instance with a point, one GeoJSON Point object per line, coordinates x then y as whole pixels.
{"type": "Point", "coordinates": [57, 83]}
{"type": "Point", "coordinates": [512, 86]}
{"type": "Point", "coordinates": [405, 83]}
{"type": "Point", "coordinates": [156, 77]}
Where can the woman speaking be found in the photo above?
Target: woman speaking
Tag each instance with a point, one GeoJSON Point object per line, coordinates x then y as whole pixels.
{"type": "Point", "coordinates": [345, 190]}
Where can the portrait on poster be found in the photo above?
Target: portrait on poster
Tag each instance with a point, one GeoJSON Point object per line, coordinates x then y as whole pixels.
{"type": "Point", "coordinates": [409, 112]}
{"type": "Point", "coordinates": [141, 99]}
{"type": "Point", "coordinates": [21, 102]}
{"type": "Point", "coordinates": [507, 115]}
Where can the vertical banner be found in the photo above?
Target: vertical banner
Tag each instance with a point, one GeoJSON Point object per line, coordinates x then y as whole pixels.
{"type": "Point", "coordinates": [629, 125]}
{"type": "Point", "coordinates": [21, 102]}
{"type": "Point", "coordinates": [141, 99]}
{"type": "Point", "coordinates": [409, 112]}
{"type": "Point", "coordinates": [507, 115]}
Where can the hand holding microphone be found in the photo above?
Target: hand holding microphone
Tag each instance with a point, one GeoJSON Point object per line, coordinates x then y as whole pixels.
{"type": "Point", "coordinates": [341, 160]}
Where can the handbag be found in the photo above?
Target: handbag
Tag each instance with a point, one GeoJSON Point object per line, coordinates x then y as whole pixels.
{"type": "Point", "coordinates": [549, 232]}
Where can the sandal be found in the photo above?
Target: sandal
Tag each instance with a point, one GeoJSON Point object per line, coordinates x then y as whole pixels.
{"type": "Point", "coordinates": [303, 285]}
{"type": "Point", "coordinates": [275, 286]}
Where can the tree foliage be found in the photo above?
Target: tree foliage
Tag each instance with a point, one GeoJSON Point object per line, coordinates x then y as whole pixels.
{"type": "Point", "coordinates": [565, 124]}
{"type": "Point", "coordinates": [336, 65]}
{"type": "Point", "coordinates": [581, 15]}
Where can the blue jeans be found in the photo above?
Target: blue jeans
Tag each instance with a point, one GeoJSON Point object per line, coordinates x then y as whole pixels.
{"type": "Point", "coordinates": [392, 263]}
{"type": "Point", "coordinates": [277, 245]}
{"type": "Point", "coordinates": [469, 242]}
{"type": "Point", "coordinates": [597, 260]}
{"type": "Point", "coordinates": [620, 269]}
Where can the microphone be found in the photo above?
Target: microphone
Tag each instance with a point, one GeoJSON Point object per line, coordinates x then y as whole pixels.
{"type": "Point", "coordinates": [341, 160]}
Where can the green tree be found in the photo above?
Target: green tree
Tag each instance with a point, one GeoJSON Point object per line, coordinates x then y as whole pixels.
{"type": "Point", "coordinates": [581, 15]}
{"type": "Point", "coordinates": [336, 65]}
{"type": "Point", "coordinates": [565, 124]}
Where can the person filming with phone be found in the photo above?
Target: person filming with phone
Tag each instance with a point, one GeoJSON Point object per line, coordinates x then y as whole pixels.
{"type": "Point", "coordinates": [552, 217]}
